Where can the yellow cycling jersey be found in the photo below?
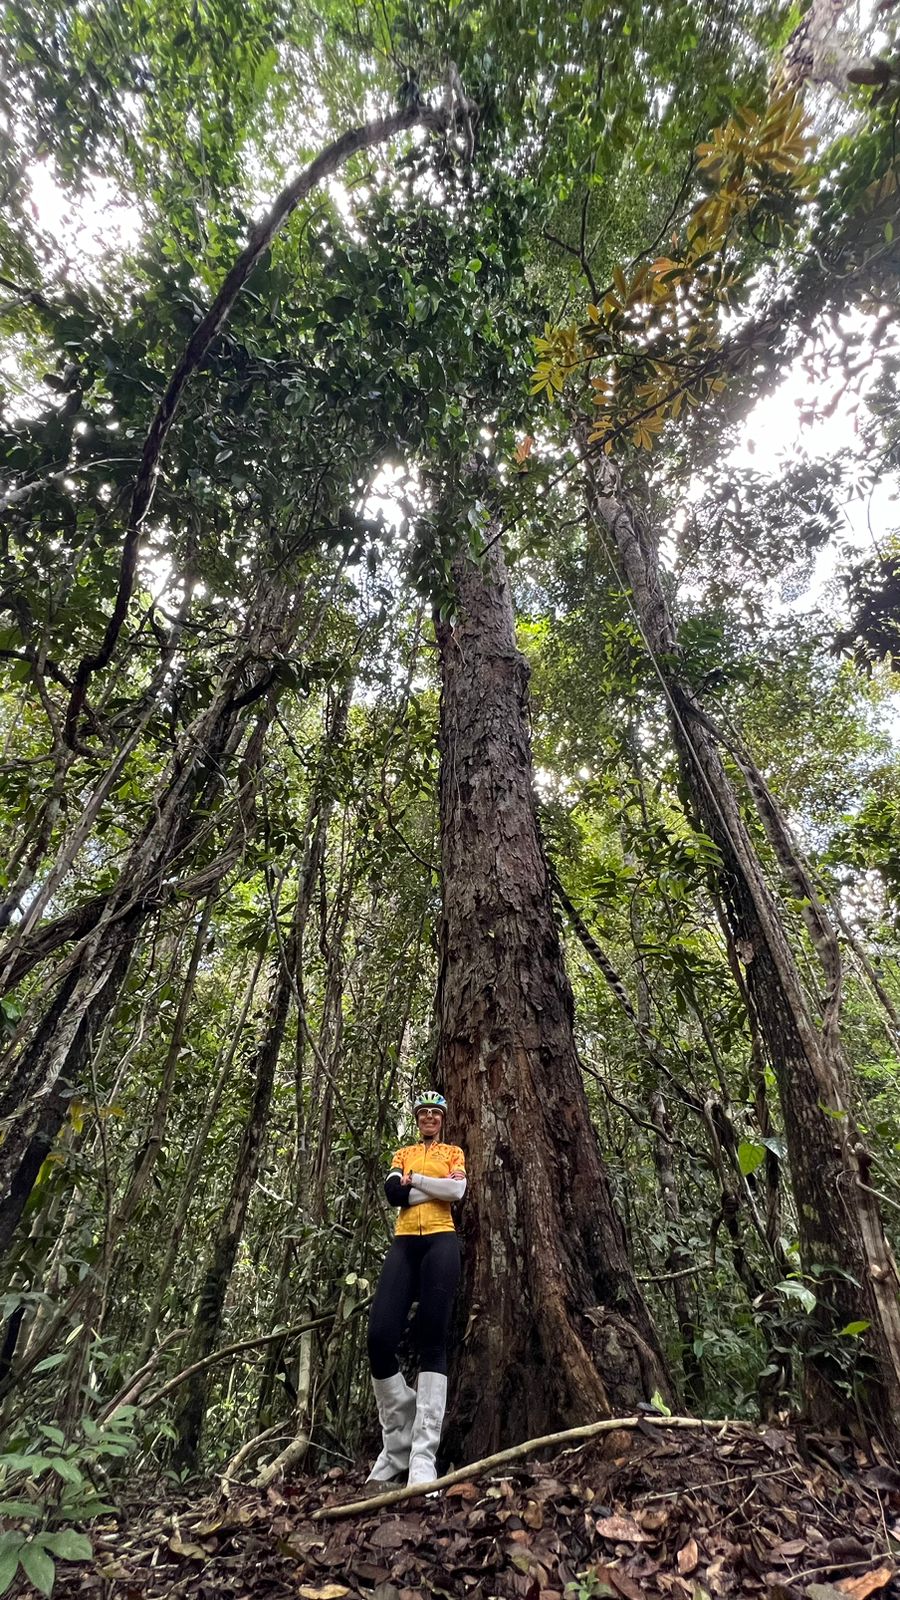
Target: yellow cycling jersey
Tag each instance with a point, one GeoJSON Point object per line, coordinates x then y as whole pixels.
{"type": "Point", "coordinates": [432, 1161]}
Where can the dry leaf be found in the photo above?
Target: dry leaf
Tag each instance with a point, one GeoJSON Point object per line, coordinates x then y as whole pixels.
{"type": "Point", "coordinates": [533, 1515]}
{"type": "Point", "coordinates": [624, 1528]}
{"type": "Point", "coordinates": [619, 1581]}
{"type": "Point", "coordinates": [329, 1591]}
{"type": "Point", "coordinates": [388, 1537]}
{"type": "Point", "coordinates": [654, 1518]}
{"type": "Point", "coordinates": [461, 1491]}
{"type": "Point", "coordinates": [688, 1558]}
{"type": "Point", "coordinates": [861, 1588]}
{"type": "Point", "coordinates": [791, 1547]}
{"type": "Point", "coordinates": [183, 1547]}
{"type": "Point", "coordinates": [369, 1572]}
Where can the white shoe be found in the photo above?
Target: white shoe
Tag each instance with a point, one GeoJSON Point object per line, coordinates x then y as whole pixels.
{"type": "Point", "coordinates": [396, 1403]}
{"type": "Point", "coordinates": [431, 1402]}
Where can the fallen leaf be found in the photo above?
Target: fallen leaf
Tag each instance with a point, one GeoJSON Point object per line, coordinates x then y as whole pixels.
{"type": "Point", "coordinates": [389, 1537]}
{"type": "Point", "coordinates": [603, 1589]}
{"type": "Point", "coordinates": [183, 1547]}
{"type": "Point", "coordinates": [624, 1528]}
{"type": "Point", "coordinates": [330, 1591]}
{"type": "Point", "coordinates": [688, 1558]}
{"type": "Point", "coordinates": [462, 1491]}
{"type": "Point", "coordinates": [654, 1518]}
{"type": "Point", "coordinates": [619, 1582]}
{"type": "Point", "coordinates": [533, 1516]}
{"type": "Point", "coordinates": [860, 1588]}
{"type": "Point", "coordinates": [791, 1547]}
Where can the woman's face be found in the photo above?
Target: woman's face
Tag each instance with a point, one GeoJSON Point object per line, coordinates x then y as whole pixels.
{"type": "Point", "coordinates": [429, 1123]}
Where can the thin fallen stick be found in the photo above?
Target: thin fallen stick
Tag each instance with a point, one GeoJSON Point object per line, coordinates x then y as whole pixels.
{"type": "Point", "coordinates": [235, 1349]}
{"type": "Point", "coordinates": [588, 1430]}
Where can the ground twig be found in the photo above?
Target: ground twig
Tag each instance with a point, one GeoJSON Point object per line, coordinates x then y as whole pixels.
{"type": "Point", "coordinates": [588, 1430]}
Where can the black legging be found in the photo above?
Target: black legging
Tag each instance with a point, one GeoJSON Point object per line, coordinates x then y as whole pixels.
{"type": "Point", "coordinates": [423, 1267]}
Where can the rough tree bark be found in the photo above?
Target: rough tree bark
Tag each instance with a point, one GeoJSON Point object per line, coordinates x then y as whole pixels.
{"type": "Point", "coordinates": [557, 1330]}
{"type": "Point", "coordinates": [838, 1214]}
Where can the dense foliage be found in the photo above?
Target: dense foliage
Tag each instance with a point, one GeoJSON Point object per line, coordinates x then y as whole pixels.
{"type": "Point", "coordinates": [219, 861]}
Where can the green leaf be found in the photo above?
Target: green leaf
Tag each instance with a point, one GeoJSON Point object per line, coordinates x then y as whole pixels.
{"type": "Point", "coordinates": [52, 1361]}
{"type": "Point", "coordinates": [69, 1545]}
{"type": "Point", "coordinates": [38, 1565]}
{"type": "Point", "coordinates": [836, 1116]}
{"type": "Point", "coordinates": [657, 1400]}
{"type": "Point", "coordinates": [854, 1329]}
{"type": "Point", "coordinates": [776, 1144]}
{"type": "Point", "coordinates": [9, 1560]}
{"type": "Point", "coordinates": [17, 1461]}
{"type": "Point", "coordinates": [475, 265]}
{"type": "Point", "coordinates": [750, 1156]}
{"type": "Point", "coordinates": [22, 1508]}
{"type": "Point", "coordinates": [798, 1291]}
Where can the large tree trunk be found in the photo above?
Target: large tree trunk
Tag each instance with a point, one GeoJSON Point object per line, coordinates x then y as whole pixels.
{"type": "Point", "coordinates": [838, 1216]}
{"type": "Point", "coordinates": [556, 1328]}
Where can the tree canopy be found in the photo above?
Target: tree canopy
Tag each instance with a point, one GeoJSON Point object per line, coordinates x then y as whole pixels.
{"type": "Point", "coordinates": [319, 326]}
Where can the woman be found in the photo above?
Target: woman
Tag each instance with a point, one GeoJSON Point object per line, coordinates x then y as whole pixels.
{"type": "Point", "coordinates": [422, 1264]}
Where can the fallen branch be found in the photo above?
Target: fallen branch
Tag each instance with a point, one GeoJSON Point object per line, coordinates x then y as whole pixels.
{"type": "Point", "coordinates": [588, 1430]}
{"type": "Point", "coordinates": [130, 1390]}
{"type": "Point", "coordinates": [243, 1344]}
{"type": "Point", "coordinates": [284, 1461]}
{"type": "Point", "coordinates": [246, 1450]}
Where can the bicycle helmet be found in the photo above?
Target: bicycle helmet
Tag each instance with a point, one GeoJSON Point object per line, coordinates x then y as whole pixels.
{"type": "Point", "coordinates": [430, 1100]}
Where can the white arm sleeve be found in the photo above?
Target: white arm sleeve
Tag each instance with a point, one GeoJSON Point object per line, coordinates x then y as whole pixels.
{"type": "Point", "coordinates": [437, 1189]}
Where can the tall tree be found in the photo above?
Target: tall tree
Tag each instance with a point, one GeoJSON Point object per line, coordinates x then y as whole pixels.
{"type": "Point", "coordinates": [553, 1310]}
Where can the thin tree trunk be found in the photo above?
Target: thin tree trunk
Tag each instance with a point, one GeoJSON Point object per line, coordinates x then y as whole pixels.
{"type": "Point", "coordinates": [193, 1169]}
{"type": "Point", "coordinates": [555, 1316]}
{"type": "Point", "coordinates": [44, 1064]}
{"type": "Point", "coordinates": [838, 1216]}
{"type": "Point", "coordinates": [263, 1067]}
{"type": "Point", "coordinates": [677, 1256]}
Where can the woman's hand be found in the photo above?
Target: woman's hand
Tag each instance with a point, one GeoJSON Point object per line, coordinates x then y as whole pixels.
{"type": "Point", "coordinates": [406, 1180]}
{"type": "Point", "coordinates": [458, 1172]}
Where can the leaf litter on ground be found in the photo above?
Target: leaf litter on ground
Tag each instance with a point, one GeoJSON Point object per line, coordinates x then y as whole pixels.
{"type": "Point", "coordinates": [774, 1513]}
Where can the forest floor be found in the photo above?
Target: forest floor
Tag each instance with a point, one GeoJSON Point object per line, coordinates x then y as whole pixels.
{"type": "Point", "coordinates": [634, 1515]}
